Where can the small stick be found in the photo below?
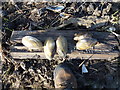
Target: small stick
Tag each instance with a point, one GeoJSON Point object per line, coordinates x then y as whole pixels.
{"type": "Point", "coordinates": [85, 60]}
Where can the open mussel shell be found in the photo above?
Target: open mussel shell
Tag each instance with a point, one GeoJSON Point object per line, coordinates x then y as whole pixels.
{"type": "Point", "coordinates": [32, 43]}
{"type": "Point", "coordinates": [55, 8]}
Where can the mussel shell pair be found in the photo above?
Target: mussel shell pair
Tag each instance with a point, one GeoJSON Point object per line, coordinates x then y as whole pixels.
{"type": "Point", "coordinates": [33, 43]}
{"type": "Point", "coordinates": [49, 47]}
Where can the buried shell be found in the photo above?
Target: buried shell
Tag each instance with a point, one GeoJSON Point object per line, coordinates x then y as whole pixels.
{"type": "Point", "coordinates": [49, 48]}
{"type": "Point", "coordinates": [32, 43]}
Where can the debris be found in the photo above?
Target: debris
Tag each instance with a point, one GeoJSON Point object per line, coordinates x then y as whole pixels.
{"type": "Point", "coordinates": [115, 17]}
{"type": "Point", "coordinates": [64, 15]}
{"type": "Point", "coordinates": [106, 10]}
{"type": "Point", "coordinates": [91, 22]}
{"type": "Point", "coordinates": [90, 9]}
{"type": "Point", "coordinates": [97, 12]}
{"type": "Point", "coordinates": [84, 69]}
{"type": "Point", "coordinates": [112, 29]}
{"type": "Point", "coordinates": [22, 64]}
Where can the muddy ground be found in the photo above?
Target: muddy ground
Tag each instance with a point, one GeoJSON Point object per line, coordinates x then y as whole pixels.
{"type": "Point", "coordinates": [27, 73]}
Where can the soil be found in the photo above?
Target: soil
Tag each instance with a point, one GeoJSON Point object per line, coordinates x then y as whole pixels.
{"type": "Point", "coordinates": [32, 73]}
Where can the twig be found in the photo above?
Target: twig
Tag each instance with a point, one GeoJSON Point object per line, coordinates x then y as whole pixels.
{"type": "Point", "coordinates": [17, 17]}
{"type": "Point", "coordinates": [8, 59]}
{"type": "Point", "coordinates": [54, 21]}
{"type": "Point", "coordinates": [85, 60]}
